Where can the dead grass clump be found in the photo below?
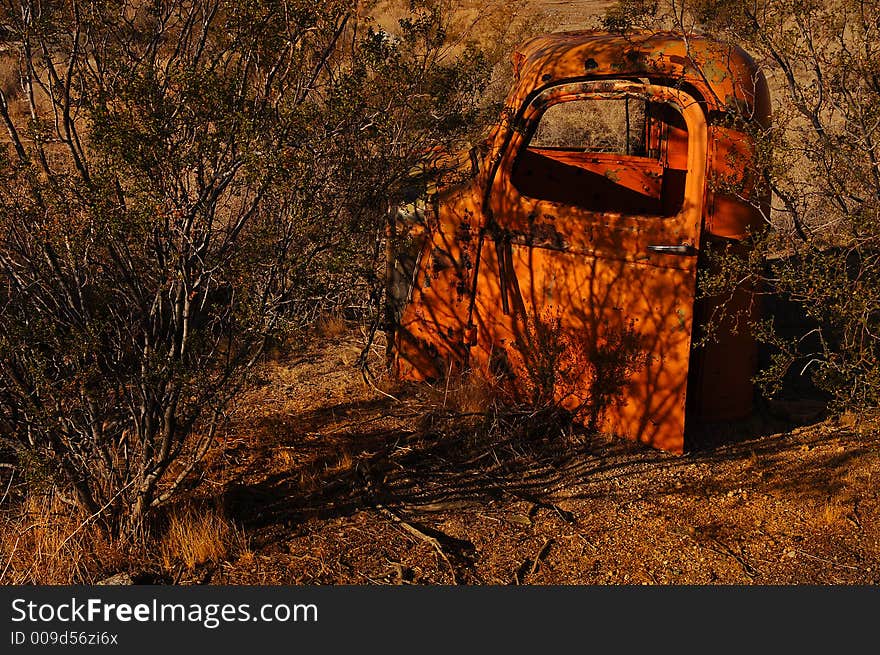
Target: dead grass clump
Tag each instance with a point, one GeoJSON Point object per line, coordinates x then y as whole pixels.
{"type": "Point", "coordinates": [196, 536]}
{"type": "Point", "coordinates": [484, 414]}
{"type": "Point", "coordinates": [466, 393]}
{"type": "Point", "coordinates": [44, 541]}
{"type": "Point", "coordinates": [343, 463]}
{"type": "Point", "coordinates": [331, 326]}
{"type": "Point", "coordinates": [285, 457]}
{"type": "Point", "coordinates": [833, 512]}
{"type": "Point", "coordinates": [309, 480]}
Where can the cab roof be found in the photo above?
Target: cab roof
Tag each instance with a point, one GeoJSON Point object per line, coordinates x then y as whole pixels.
{"type": "Point", "coordinates": [723, 75]}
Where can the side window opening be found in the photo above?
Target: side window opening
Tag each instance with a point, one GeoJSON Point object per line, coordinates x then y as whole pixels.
{"type": "Point", "coordinates": [621, 154]}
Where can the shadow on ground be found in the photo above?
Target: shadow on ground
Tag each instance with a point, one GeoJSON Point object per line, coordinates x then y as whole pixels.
{"type": "Point", "coordinates": [456, 462]}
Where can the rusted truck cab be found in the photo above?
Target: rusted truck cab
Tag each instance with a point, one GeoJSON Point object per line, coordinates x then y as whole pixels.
{"type": "Point", "coordinates": [570, 260]}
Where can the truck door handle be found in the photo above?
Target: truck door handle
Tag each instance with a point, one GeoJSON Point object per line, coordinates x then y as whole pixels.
{"type": "Point", "coordinates": [683, 249]}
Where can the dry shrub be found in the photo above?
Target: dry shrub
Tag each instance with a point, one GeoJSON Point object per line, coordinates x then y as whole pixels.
{"type": "Point", "coordinates": [196, 536]}
{"type": "Point", "coordinates": [483, 411]}
{"type": "Point", "coordinates": [573, 372]}
{"type": "Point", "coordinates": [43, 541]}
{"type": "Point", "coordinates": [526, 393]}
{"type": "Point", "coordinates": [496, 28]}
{"type": "Point", "coordinates": [474, 393]}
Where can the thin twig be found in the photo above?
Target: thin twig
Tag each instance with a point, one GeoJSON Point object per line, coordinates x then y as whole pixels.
{"type": "Point", "coordinates": [827, 561]}
{"type": "Point", "coordinates": [542, 553]}
{"type": "Point", "coordinates": [413, 530]}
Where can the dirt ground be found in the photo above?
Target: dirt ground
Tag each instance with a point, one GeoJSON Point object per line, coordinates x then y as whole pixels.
{"type": "Point", "coordinates": [336, 482]}
{"type": "Point", "coordinates": [572, 14]}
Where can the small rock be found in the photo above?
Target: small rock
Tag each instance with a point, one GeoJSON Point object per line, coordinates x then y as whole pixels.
{"type": "Point", "coordinates": [120, 579]}
{"type": "Point", "coordinates": [520, 519]}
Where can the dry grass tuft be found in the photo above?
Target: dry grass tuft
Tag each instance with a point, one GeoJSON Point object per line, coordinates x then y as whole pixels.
{"type": "Point", "coordinates": [309, 480]}
{"type": "Point", "coordinates": [342, 464]}
{"type": "Point", "coordinates": [331, 326]}
{"type": "Point", "coordinates": [285, 457]}
{"type": "Point", "coordinates": [467, 394]}
{"type": "Point", "coordinates": [196, 536]}
{"type": "Point", "coordinates": [833, 512]}
{"type": "Point", "coordinates": [44, 541]}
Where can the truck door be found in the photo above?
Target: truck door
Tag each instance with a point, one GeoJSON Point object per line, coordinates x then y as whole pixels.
{"type": "Point", "coordinates": [594, 212]}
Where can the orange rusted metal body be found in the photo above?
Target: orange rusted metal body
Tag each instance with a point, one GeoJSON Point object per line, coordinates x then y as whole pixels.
{"type": "Point", "coordinates": [577, 266]}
